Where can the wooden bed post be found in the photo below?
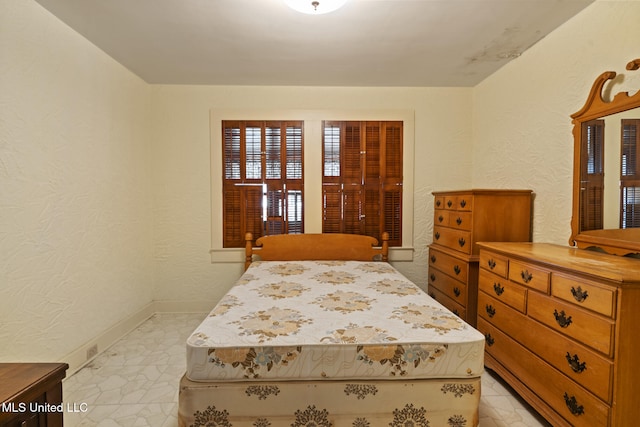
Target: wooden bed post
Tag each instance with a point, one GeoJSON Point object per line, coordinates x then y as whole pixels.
{"type": "Point", "coordinates": [248, 250]}
{"type": "Point", "coordinates": [385, 246]}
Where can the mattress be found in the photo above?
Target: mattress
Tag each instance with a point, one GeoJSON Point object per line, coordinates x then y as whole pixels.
{"type": "Point", "coordinates": [330, 320]}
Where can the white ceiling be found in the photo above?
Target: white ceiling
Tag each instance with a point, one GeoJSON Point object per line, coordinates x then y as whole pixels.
{"type": "Point", "coordinates": [263, 42]}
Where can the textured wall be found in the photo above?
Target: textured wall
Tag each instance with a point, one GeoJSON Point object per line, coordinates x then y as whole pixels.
{"type": "Point", "coordinates": [75, 223]}
{"type": "Point", "coordinates": [522, 125]}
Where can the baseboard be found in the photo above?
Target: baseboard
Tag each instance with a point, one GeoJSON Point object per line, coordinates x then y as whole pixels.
{"type": "Point", "coordinates": [184, 306]}
{"type": "Point", "coordinates": [84, 354]}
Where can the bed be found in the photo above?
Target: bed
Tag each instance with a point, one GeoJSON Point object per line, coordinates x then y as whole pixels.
{"type": "Point", "coordinates": [322, 331]}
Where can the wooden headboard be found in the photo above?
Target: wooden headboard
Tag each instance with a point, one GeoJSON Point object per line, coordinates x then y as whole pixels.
{"type": "Point", "coordinates": [309, 247]}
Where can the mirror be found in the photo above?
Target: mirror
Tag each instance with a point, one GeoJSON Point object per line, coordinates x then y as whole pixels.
{"type": "Point", "coordinates": [596, 173]}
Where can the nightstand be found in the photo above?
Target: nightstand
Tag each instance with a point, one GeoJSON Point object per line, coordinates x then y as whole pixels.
{"type": "Point", "coordinates": [31, 394]}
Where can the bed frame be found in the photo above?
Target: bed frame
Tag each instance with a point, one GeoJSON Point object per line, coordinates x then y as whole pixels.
{"type": "Point", "coordinates": [354, 403]}
{"type": "Point", "coordinates": [316, 247]}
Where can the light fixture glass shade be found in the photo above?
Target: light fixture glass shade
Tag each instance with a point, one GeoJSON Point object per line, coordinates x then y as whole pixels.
{"type": "Point", "coordinates": [315, 7]}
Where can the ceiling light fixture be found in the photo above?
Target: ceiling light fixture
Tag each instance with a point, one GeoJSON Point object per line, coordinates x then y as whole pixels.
{"type": "Point", "coordinates": [315, 7]}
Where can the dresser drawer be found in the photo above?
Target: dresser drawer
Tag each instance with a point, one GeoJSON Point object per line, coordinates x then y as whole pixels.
{"type": "Point", "coordinates": [460, 202]}
{"type": "Point", "coordinates": [575, 404]}
{"type": "Point", "coordinates": [453, 288]}
{"type": "Point", "coordinates": [592, 330]}
{"type": "Point", "coordinates": [454, 239]}
{"type": "Point", "coordinates": [580, 364]}
{"type": "Point", "coordinates": [529, 275]}
{"type": "Point", "coordinates": [461, 220]}
{"type": "Point", "coordinates": [494, 263]}
{"type": "Point", "coordinates": [441, 217]}
{"type": "Point", "coordinates": [448, 264]}
{"type": "Point", "coordinates": [449, 303]}
{"type": "Point", "coordinates": [584, 294]}
{"type": "Point", "coordinates": [503, 290]}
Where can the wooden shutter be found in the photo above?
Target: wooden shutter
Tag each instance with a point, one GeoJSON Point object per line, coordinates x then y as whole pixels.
{"type": "Point", "coordinates": [262, 179]}
{"type": "Point", "coordinates": [630, 174]}
{"type": "Point", "coordinates": [362, 187]}
{"type": "Point", "coordinates": [592, 176]}
{"type": "Point", "coordinates": [392, 184]}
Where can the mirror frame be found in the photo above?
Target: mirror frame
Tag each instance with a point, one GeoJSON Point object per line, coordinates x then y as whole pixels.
{"type": "Point", "coordinates": [615, 241]}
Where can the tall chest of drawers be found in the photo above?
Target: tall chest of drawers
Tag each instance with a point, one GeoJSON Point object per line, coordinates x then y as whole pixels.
{"type": "Point", "coordinates": [461, 219]}
{"type": "Point", "coordinates": [561, 327]}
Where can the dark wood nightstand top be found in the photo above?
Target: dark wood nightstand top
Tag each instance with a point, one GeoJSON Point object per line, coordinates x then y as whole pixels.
{"type": "Point", "coordinates": [23, 382]}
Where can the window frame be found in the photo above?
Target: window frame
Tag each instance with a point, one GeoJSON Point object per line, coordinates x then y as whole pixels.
{"type": "Point", "coordinates": [312, 119]}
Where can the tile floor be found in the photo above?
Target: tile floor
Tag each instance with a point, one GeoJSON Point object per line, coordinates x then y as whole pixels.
{"type": "Point", "coordinates": [135, 382]}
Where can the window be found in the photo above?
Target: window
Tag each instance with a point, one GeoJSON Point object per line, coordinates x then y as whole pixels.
{"type": "Point", "coordinates": [592, 176]}
{"type": "Point", "coordinates": [262, 179]}
{"type": "Point", "coordinates": [630, 174]}
{"type": "Point", "coordinates": [362, 178]}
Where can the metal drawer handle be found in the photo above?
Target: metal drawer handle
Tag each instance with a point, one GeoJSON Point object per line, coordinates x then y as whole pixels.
{"type": "Point", "coordinates": [577, 366]}
{"type": "Point", "coordinates": [438, 203]}
{"type": "Point", "coordinates": [432, 295]}
{"type": "Point", "coordinates": [440, 218]}
{"type": "Point", "coordinates": [461, 242]}
{"type": "Point", "coordinates": [579, 294]}
{"type": "Point", "coordinates": [499, 290]}
{"type": "Point", "coordinates": [491, 263]}
{"type": "Point", "coordinates": [432, 277]}
{"type": "Point", "coordinates": [455, 311]}
{"type": "Point", "coordinates": [449, 203]}
{"type": "Point", "coordinates": [437, 235]}
{"type": "Point", "coordinates": [433, 258]}
{"type": "Point", "coordinates": [562, 318]}
{"type": "Point", "coordinates": [572, 404]}
{"type": "Point", "coordinates": [456, 291]}
{"type": "Point", "coordinates": [463, 203]}
{"type": "Point", "coordinates": [459, 221]}
{"type": "Point", "coordinates": [489, 339]}
{"type": "Point", "coordinates": [526, 276]}
{"type": "Point", "coordinates": [491, 311]}
{"type": "Point", "coordinates": [456, 269]}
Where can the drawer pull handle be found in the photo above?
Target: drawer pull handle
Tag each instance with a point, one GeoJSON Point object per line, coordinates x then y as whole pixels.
{"type": "Point", "coordinates": [577, 366]}
{"type": "Point", "coordinates": [438, 203]}
{"type": "Point", "coordinates": [455, 311]}
{"type": "Point", "coordinates": [456, 291]}
{"type": "Point", "coordinates": [491, 311]}
{"type": "Point", "coordinates": [437, 235]}
{"type": "Point", "coordinates": [433, 258]}
{"type": "Point", "coordinates": [562, 318]}
{"type": "Point", "coordinates": [526, 276]}
{"type": "Point", "coordinates": [432, 277]}
{"type": "Point", "coordinates": [456, 269]}
{"type": "Point", "coordinates": [459, 221]}
{"type": "Point", "coordinates": [461, 242]}
{"type": "Point", "coordinates": [491, 263]}
{"type": "Point", "coordinates": [499, 290]}
{"type": "Point", "coordinates": [432, 295]}
{"type": "Point", "coordinates": [440, 218]}
{"type": "Point", "coordinates": [572, 404]}
{"type": "Point", "coordinates": [463, 203]}
{"type": "Point", "coordinates": [449, 203]}
{"type": "Point", "coordinates": [579, 294]}
{"type": "Point", "coordinates": [489, 339]}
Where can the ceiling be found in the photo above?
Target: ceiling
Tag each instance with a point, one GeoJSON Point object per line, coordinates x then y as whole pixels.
{"type": "Point", "coordinates": [366, 43]}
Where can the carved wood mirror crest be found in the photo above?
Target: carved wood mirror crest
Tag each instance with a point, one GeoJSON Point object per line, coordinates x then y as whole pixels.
{"type": "Point", "coordinates": [588, 228]}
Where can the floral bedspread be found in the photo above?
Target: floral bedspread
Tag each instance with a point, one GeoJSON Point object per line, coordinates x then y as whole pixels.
{"type": "Point", "coordinates": [308, 320]}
